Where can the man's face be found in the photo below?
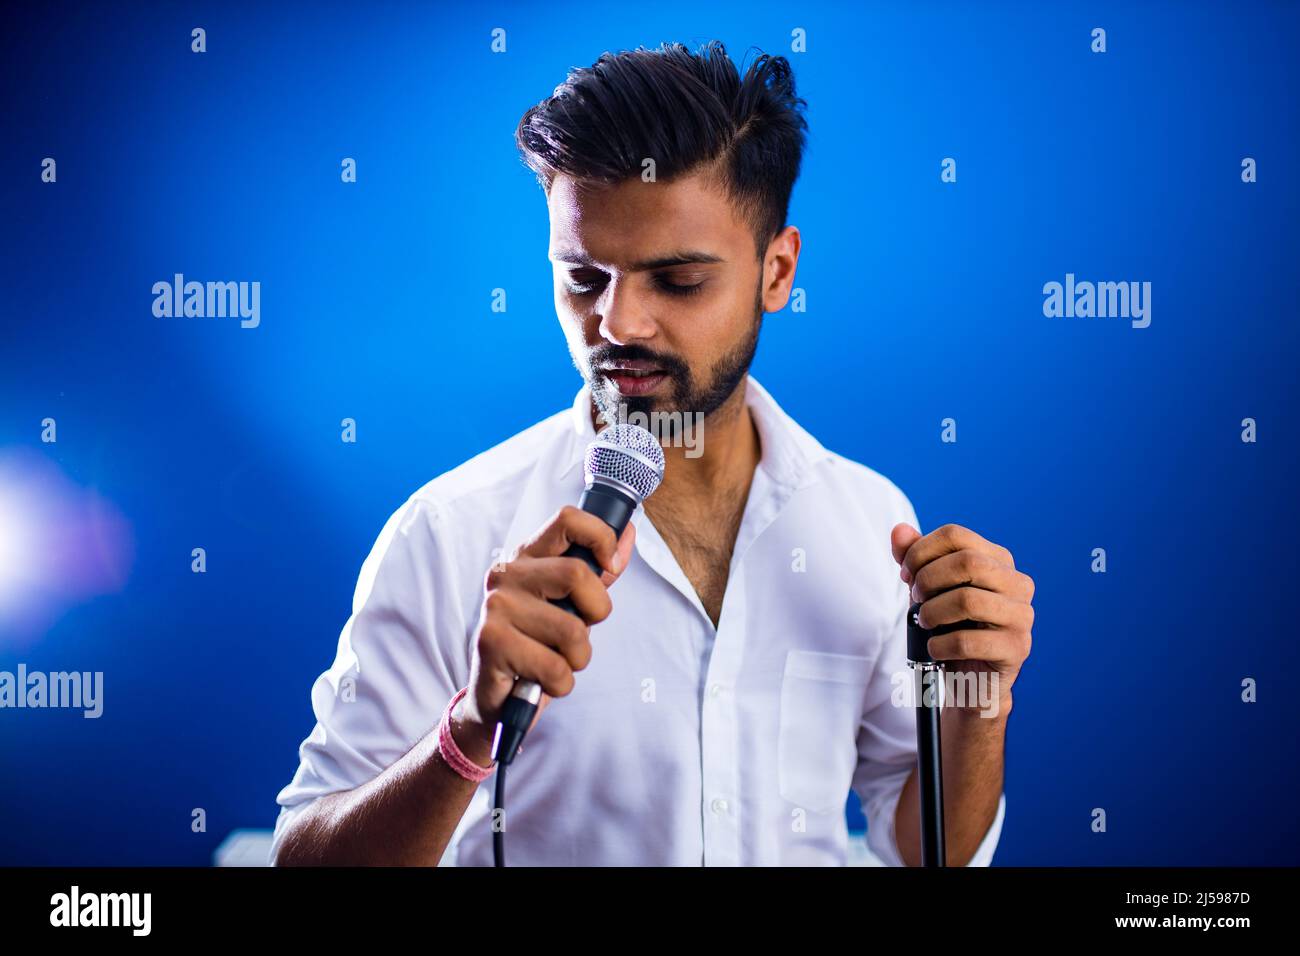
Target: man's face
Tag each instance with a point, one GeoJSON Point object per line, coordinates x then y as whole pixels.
{"type": "Point", "coordinates": [659, 289]}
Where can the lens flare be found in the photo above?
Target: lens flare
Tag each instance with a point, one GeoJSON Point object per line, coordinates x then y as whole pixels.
{"type": "Point", "coordinates": [60, 545]}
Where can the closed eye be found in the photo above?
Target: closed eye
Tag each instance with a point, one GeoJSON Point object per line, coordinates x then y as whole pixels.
{"type": "Point", "coordinates": [663, 284]}
{"type": "Point", "coordinates": [582, 283]}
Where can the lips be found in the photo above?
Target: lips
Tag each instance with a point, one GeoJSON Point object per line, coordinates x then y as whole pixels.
{"type": "Point", "coordinates": [634, 378]}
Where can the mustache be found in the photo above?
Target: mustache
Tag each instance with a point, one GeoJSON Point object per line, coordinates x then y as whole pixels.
{"type": "Point", "coordinates": [604, 355]}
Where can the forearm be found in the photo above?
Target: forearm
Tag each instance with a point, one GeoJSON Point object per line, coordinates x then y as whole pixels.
{"type": "Point", "coordinates": [404, 817]}
{"type": "Point", "coordinates": [973, 762]}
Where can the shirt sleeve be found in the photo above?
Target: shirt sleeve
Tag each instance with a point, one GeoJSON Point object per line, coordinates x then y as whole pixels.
{"type": "Point", "coordinates": [887, 738]}
{"type": "Point", "coordinates": [401, 657]}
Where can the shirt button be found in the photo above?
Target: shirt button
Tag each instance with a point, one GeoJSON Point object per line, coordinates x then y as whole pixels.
{"type": "Point", "coordinates": [715, 690]}
{"type": "Point", "coordinates": [719, 805]}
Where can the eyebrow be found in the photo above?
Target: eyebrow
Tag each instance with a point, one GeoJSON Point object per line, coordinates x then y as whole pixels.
{"type": "Point", "coordinates": [683, 258]}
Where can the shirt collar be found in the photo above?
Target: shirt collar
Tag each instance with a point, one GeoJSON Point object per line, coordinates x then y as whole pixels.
{"type": "Point", "coordinates": [788, 451]}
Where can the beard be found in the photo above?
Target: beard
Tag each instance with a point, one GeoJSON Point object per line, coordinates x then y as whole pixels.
{"type": "Point", "coordinates": [687, 393]}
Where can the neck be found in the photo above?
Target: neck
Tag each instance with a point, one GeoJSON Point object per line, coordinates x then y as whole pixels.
{"type": "Point", "coordinates": [725, 455]}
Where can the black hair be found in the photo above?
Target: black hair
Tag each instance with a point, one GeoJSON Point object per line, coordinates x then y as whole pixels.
{"type": "Point", "coordinates": [684, 110]}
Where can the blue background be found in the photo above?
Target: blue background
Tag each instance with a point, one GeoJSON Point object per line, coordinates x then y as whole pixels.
{"type": "Point", "coordinates": [924, 302]}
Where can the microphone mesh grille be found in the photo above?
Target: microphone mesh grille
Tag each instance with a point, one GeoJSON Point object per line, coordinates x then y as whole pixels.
{"type": "Point", "coordinates": [627, 454]}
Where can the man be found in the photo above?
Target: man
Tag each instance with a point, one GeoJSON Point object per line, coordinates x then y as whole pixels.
{"type": "Point", "coordinates": [728, 698]}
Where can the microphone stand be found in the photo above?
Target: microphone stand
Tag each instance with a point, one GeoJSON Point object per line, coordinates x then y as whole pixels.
{"type": "Point", "coordinates": [929, 754]}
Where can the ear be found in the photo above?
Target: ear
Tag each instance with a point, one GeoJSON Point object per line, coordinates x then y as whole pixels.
{"type": "Point", "coordinates": [779, 264]}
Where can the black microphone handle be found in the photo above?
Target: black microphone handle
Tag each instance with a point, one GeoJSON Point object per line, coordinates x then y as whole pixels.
{"type": "Point", "coordinates": [615, 507]}
{"type": "Point", "coordinates": [612, 507]}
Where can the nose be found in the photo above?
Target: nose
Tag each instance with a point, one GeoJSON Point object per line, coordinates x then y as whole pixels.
{"type": "Point", "coordinates": [625, 316]}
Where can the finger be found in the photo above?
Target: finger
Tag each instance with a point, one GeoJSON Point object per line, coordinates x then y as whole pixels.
{"type": "Point", "coordinates": [623, 555]}
{"type": "Point", "coordinates": [989, 646]}
{"type": "Point", "coordinates": [945, 540]}
{"type": "Point", "coordinates": [554, 578]}
{"type": "Point", "coordinates": [970, 568]}
{"type": "Point", "coordinates": [975, 604]}
{"type": "Point", "coordinates": [508, 653]}
{"type": "Point", "coordinates": [900, 539]}
{"type": "Point", "coordinates": [549, 625]}
{"type": "Point", "coordinates": [569, 526]}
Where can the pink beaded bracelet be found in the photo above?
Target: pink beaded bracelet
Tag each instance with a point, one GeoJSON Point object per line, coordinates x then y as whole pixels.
{"type": "Point", "coordinates": [452, 754]}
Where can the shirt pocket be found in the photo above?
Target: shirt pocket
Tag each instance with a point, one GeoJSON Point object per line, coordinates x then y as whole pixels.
{"type": "Point", "coordinates": [822, 696]}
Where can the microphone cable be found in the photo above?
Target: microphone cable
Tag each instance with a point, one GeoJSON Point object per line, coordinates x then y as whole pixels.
{"type": "Point", "coordinates": [499, 823]}
{"type": "Point", "coordinates": [516, 717]}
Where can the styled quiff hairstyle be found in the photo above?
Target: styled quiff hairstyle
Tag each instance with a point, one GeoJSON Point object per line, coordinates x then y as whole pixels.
{"type": "Point", "coordinates": [684, 110]}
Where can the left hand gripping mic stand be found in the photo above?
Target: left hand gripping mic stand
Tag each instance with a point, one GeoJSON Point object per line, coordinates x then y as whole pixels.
{"type": "Point", "coordinates": [929, 755]}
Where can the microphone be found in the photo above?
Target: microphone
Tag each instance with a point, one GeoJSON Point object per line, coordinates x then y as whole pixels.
{"type": "Point", "coordinates": [623, 467]}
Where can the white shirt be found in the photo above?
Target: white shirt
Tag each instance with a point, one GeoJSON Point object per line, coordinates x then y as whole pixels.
{"type": "Point", "coordinates": [681, 744]}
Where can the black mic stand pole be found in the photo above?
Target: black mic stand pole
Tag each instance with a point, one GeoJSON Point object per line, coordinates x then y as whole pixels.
{"type": "Point", "coordinates": [929, 755]}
